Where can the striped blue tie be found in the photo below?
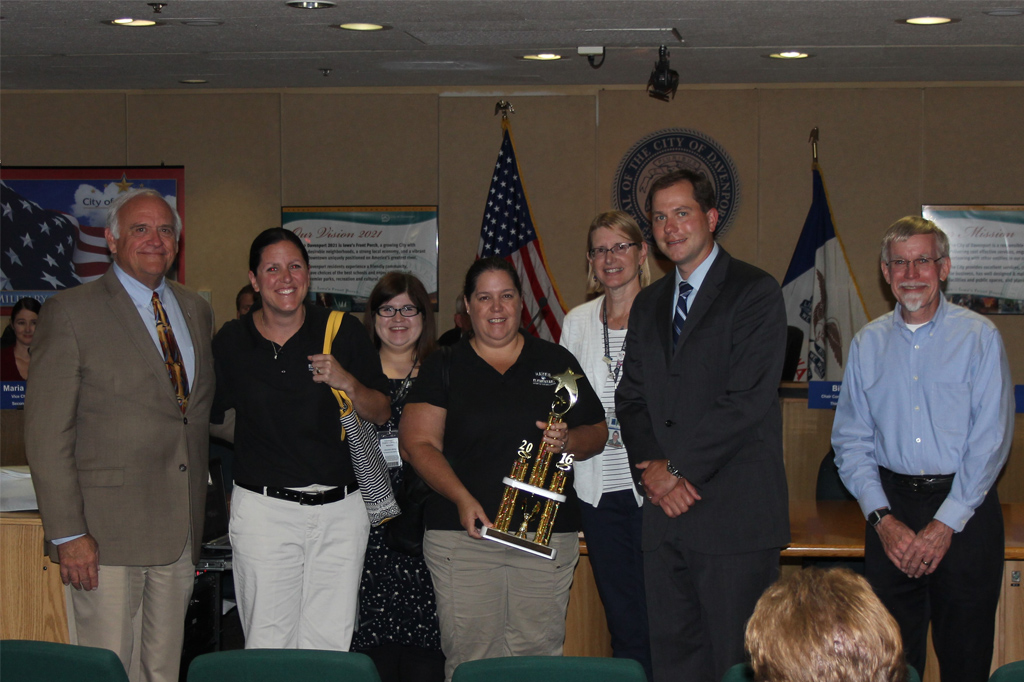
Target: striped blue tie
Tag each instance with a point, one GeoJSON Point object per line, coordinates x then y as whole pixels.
{"type": "Point", "coordinates": [680, 316]}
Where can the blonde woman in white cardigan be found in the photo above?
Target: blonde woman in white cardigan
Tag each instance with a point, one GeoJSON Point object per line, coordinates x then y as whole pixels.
{"type": "Point", "coordinates": [610, 505]}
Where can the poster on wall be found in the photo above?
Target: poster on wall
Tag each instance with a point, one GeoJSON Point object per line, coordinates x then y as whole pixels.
{"type": "Point", "coordinates": [986, 255]}
{"type": "Point", "coordinates": [351, 247]}
{"type": "Point", "coordinates": [53, 221]}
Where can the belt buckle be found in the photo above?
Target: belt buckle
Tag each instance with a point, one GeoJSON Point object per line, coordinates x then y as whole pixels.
{"type": "Point", "coordinates": [312, 499]}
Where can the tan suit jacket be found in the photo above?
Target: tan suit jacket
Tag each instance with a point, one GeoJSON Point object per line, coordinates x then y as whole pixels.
{"type": "Point", "coordinates": [111, 453]}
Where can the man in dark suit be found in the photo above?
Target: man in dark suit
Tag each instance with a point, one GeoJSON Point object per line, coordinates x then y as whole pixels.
{"type": "Point", "coordinates": [698, 405]}
{"type": "Point", "coordinates": [117, 428]}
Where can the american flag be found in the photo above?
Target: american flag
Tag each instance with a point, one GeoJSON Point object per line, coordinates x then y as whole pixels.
{"type": "Point", "coordinates": [39, 245]}
{"type": "Point", "coordinates": [508, 232]}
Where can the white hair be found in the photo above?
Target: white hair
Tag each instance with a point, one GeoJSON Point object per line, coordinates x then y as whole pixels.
{"type": "Point", "coordinates": [117, 204]}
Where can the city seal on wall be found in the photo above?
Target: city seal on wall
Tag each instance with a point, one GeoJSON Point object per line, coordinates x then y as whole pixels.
{"type": "Point", "coordinates": [667, 150]}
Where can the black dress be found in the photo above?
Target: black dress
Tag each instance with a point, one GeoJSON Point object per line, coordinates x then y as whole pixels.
{"type": "Point", "coordinates": [398, 625]}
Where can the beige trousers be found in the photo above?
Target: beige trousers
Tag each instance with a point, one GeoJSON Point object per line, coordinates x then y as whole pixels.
{"type": "Point", "coordinates": [138, 612]}
{"type": "Point", "coordinates": [495, 601]}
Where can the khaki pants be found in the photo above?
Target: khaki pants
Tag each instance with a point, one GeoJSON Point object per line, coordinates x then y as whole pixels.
{"type": "Point", "coordinates": [494, 601]}
{"type": "Point", "coordinates": [138, 612]}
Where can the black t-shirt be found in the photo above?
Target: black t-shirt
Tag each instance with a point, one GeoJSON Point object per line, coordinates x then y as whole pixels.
{"type": "Point", "coordinates": [287, 428]}
{"type": "Point", "coordinates": [491, 414]}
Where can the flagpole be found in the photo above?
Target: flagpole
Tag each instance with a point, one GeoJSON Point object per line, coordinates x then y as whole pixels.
{"type": "Point", "coordinates": [828, 202]}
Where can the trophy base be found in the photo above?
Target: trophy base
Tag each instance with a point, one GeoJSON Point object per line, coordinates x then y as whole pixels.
{"type": "Point", "coordinates": [495, 535]}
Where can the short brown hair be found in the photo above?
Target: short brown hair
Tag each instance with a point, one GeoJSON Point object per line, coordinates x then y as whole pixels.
{"type": "Point", "coordinates": [616, 221]}
{"type": "Point", "coordinates": [824, 626]}
{"type": "Point", "coordinates": [909, 226]}
{"type": "Point", "coordinates": [703, 190]}
{"type": "Point", "coordinates": [390, 285]}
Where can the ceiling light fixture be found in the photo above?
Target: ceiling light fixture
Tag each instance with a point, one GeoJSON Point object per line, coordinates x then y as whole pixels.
{"type": "Point", "coordinates": [193, 81]}
{"type": "Point", "coordinates": [1005, 12]}
{"type": "Point", "coordinates": [927, 21]}
{"type": "Point", "coordinates": [359, 26]}
{"type": "Point", "coordinates": [321, 4]}
{"type": "Point", "coordinates": [664, 81]}
{"type": "Point", "coordinates": [542, 57]}
{"type": "Point", "coordinates": [789, 54]}
{"type": "Point", "coordinates": [128, 21]}
{"type": "Point", "coordinates": [202, 22]}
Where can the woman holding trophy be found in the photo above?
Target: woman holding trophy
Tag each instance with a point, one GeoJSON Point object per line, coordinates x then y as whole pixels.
{"type": "Point", "coordinates": [475, 414]}
{"type": "Point", "coordinates": [610, 505]}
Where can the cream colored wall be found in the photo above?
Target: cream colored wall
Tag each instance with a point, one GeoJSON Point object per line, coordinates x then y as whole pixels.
{"type": "Point", "coordinates": [885, 150]}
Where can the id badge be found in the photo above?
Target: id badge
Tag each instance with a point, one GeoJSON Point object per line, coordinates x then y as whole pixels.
{"type": "Point", "coordinates": [389, 447]}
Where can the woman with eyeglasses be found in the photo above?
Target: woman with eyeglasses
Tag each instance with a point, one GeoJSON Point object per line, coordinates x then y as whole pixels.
{"type": "Point", "coordinates": [610, 505]}
{"type": "Point", "coordinates": [398, 626]}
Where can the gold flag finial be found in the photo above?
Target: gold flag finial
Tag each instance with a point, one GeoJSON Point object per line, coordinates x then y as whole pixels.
{"type": "Point", "coordinates": [505, 108]}
{"type": "Point", "coordinates": [814, 143]}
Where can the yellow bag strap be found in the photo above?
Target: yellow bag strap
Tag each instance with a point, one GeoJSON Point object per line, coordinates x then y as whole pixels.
{"type": "Point", "coordinates": [333, 325]}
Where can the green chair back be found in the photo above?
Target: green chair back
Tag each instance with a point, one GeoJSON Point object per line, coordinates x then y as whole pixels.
{"type": "Point", "coordinates": [550, 669]}
{"type": "Point", "coordinates": [282, 665]}
{"type": "Point", "coordinates": [28, 661]}
{"type": "Point", "coordinates": [1011, 672]}
{"type": "Point", "coordinates": [742, 672]}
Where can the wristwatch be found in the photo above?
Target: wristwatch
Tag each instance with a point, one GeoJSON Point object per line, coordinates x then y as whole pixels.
{"type": "Point", "coordinates": [875, 517]}
{"type": "Point", "coordinates": [671, 469]}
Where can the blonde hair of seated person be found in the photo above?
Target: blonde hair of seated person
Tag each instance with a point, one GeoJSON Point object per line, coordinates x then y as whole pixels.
{"type": "Point", "coordinates": [824, 626]}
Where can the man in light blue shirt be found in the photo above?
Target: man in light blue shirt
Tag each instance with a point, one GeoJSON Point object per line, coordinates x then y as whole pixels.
{"type": "Point", "coordinates": [922, 429]}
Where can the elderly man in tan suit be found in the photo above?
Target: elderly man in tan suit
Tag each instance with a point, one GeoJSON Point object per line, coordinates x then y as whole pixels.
{"type": "Point", "coordinates": [117, 429]}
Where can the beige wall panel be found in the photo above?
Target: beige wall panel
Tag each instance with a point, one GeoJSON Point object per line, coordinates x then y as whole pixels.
{"type": "Point", "coordinates": [870, 158]}
{"type": "Point", "coordinates": [974, 154]}
{"type": "Point", "coordinates": [341, 149]}
{"type": "Point", "coordinates": [230, 147]}
{"type": "Point", "coordinates": [727, 116]}
{"type": "Point", "coordinates": [78, 129]}
{"type": "Point", "coordinates": [555, 142]}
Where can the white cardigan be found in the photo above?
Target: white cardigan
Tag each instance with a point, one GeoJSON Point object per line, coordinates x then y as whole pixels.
{"type": "Point", "coordinates": [583, 335]}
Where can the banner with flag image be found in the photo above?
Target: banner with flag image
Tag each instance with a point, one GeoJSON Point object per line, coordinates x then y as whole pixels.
{"type": "Point", "coordinates": [508, 231]}
{"type": "Point", "coordinates": [821, 294]}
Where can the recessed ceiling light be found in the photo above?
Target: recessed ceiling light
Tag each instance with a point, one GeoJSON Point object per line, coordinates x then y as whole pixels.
{"type": "Point", "coordinates": [128, 21]}
{"type": "Point", "coordinates": [542, 57]}
{"type": "Point", "coordinates": [927, 21]}
{"type": "Point", "coordinates": [193, 81]}
{"type": "Point", "coordinates": [322, 4]}
{"type": "Point", "coordinates": [1005, 12]}
{"type": "Point", "coordinates": [359, 26]}
{"type": "Point", "coordinates": [788, 54]}
{"type": "Point", "coordinates": [202, 22]}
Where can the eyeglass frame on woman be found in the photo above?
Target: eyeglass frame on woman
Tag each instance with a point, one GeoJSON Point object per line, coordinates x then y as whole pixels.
{"type": "Point", "coordinates": [920, 263]}
{"type": "Point", "coordinates": [416, 310]}
{"type": "Point", "coordinates": [618, 249]}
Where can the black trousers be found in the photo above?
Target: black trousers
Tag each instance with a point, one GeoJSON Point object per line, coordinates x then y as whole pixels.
{"type": "Point", "coordinates": [959, 598]}
{"type": "Point", "coordinates": [612, 530]}
{"type": "Point", "coordinates": [698, 606]}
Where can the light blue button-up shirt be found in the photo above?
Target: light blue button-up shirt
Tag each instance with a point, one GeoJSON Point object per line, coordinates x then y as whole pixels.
{"type": "Point", "coordinates": [937, 400]}
{"type": "Point", "coordinates": [696, 279]}
{"type": "Point", "coordinates": [142, 297]}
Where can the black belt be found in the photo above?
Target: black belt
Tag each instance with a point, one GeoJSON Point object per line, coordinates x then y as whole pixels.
{"type": "Point", "coordinates": [920, 484]}
{"type": "Point", "coordinates": [303, 498]}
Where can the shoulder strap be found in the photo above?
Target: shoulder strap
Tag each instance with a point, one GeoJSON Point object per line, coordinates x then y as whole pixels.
{"type": "Point", "coordinates": [333, 324]}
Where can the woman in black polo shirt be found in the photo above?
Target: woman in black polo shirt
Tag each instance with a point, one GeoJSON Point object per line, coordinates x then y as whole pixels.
{"type": "Point", "coordinates": [298, 533]}
{"type": "Point", "coordinates": [465, 419]}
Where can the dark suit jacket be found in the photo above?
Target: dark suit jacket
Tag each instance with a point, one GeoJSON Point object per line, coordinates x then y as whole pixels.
{"type": "Point", "coordinates": [110, 452]}
{"type": "Point", "coordinates": [711, 407]}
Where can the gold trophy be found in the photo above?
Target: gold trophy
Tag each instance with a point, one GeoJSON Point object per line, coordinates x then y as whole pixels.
{"type": "Point", "coordinates": [539, 493]}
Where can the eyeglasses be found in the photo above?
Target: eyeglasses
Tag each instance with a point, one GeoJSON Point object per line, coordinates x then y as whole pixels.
{"type": "Point", "coordinates": [920, 263]}
{"type": "Point", "coordinates": [618, 250]}
{"type": "Point", "coordinates": [406, 310]}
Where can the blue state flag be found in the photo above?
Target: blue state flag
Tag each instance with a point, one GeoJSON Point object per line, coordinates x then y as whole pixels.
{"type": "Point", "coordinates": [821, 294]}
